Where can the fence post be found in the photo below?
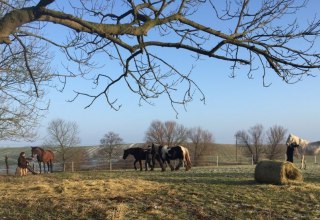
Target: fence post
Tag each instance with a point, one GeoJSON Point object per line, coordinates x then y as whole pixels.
{"type": "Point", "coordinates": [7, 164]}
{"type": "Point", "coordinates": [217, 160]}
{"type": "Point", "coordinates": [72, 167]}
{"type": "Point", "coordinates": [315, 158]}
{"type": "Point", "coordinates": [252, 159]}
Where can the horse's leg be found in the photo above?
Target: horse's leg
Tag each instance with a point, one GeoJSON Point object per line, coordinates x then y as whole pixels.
{"type": "Point", "coordinates": [140, 163]}
{"type": "Point", "coordinates": [44, 167]}
{"type": "Point", "coordinates": [185, 164]}
{"type": "Point", "coordinates": [51, 165]}
{"type": "Point", "coordinates": [151, 165]}
{"type": "Point", "coordinates": [163, 168]}
{"type": "Point", "coordinates": [146, 165]}
{"type": "Point", "coordinates": [39, 166]}
{"type": "Point", "coordinates": [179, 164]}
{"type": "Point", "coordinates": [303, 162]}
{"type": "Point", "coordinates": [134, 164]}
{"type": "Point", "coordinates": [170, 165]}
{"type": "Point", "coordinates": [152, 162]}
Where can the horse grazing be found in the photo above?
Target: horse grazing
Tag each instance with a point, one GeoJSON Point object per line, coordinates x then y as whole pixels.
{"type": "Point", "coordinates": [304, 147]}
{"type": "Point", "coordinates": [163, 154]}
{"type": "Point", "coordinates": [139, 154]}
{"type": "Point", "coordinates": [43, 156]}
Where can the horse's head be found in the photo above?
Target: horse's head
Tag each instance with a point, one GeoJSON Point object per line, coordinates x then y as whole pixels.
{"type": "Point", "coordinates": [292, 139]}
{"type": "Point", "coordinates": [301, 143]}
{"type": "Point", "coordinates": [36, 151]}
{"type": "Point", "coordinates": [33, 152]}
{"type": "Point", "coordinates": [125, 154]}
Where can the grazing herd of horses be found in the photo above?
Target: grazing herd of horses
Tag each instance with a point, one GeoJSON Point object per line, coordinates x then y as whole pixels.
{"type": "Point", "coordinates": [161, 153]}
{"type": "Point", "coordinates": [164, 154]}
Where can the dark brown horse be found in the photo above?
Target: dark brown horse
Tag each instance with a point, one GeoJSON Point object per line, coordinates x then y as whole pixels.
{"type": "Point", "coordinates": [139, 155]}
{"type": "Point", "coordinates": [43, 156]}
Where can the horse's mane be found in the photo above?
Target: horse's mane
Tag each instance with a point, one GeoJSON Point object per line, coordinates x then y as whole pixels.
{"type": "Point", "coordinates": [39, 148]}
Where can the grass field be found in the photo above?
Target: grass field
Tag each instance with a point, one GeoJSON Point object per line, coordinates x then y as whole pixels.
{"type": "Point", "coordinates": [227, 192]}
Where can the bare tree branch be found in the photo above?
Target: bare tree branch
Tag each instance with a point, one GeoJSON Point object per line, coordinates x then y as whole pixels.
{"type": "Point", "coordinates": [247, 35]}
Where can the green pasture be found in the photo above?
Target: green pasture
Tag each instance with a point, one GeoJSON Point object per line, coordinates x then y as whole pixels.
{"type": "Point", "coordinates": [225, 192]}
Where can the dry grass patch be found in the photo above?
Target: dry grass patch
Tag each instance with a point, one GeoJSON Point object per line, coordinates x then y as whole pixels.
{"type": "Point", "coordinates": [108, 198]}
{"type": "Point", "coordinates": [206, 193]}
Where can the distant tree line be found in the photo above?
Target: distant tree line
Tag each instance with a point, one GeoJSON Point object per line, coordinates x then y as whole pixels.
{"type": "Point", "coordinates": [257, 142]}
{"type": "Point", "coordinates": [64, 135]}
{"type": "Point", "coordinates": [165, 133]}
{"type": "Point", "coordinates": [171, 133]}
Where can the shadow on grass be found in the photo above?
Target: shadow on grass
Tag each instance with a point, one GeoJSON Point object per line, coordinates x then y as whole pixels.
{"type": "Point", "coordinates": [204, 178]}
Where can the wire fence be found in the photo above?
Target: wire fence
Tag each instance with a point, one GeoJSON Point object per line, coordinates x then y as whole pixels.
{"type": "Point", "coordinates": [120, 164]}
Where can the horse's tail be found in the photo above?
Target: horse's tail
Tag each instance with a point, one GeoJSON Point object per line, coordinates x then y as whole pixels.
{"type": "Point", "coordinates": [187, 158]}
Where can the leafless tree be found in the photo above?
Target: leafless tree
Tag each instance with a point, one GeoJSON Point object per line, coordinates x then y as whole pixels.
{"type": "Point", "coordinates": [168, 133]}
{"type": "Point", "coordinates": [250, 36]}
{"type": "Point", "coordinates": [175, 134]}
{"type": "Point", "coordinates": [252, 141]}
{"type": "Point", "coordinates": [275, 137]}
{"type": "Point", "coordinates": [155, 133]}
{"type": "Point", "coordinates": [63, 135]}
{"type": "Point", "coordinates": [200, 139]}
{"type": "Point", "coordinates": [21, 103]}
{"type": "Point", "coordinates": [109, 144]}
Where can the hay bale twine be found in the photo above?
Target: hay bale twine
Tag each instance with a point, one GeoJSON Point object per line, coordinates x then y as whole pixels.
{"type": "Point", "coordinates": [276, 172]}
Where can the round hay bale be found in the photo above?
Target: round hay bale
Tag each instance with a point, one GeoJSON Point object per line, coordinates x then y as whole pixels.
{"type": "Point", "coordinates": [276, 172]}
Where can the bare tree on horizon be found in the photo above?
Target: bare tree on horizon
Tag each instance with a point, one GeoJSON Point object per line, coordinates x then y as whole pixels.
{"type": "Point", "coordinates": [201, 140]}
{"type": "Point", "coordinates": [252, 141]}
{"type": "Point", "coordinates": [109, 144]}
{"type": "Point", "coordinates": [166, 133]}
{"type": "Point", "coordinates": [276, 136]}
{"type": "Point", "coordinates": [63, 135]}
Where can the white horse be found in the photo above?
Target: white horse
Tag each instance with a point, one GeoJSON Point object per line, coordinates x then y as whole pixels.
{"type": "Point", "coordinates": [305, 147]}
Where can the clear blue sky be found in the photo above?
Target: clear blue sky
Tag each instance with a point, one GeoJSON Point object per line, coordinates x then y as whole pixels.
{"type": "Point", "coordinates": [231, 105]}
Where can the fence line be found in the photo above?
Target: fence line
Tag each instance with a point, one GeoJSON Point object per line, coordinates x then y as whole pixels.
{"type": "Point", "coordinates": [116, 164]}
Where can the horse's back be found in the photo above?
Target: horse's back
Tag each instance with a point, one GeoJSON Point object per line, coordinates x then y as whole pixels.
{"type": "Point", "coordinates": [49, 155]}
{"type": "Point", "coordinates": [295, 139]}
{"type": "Point", "coordinates": [176, 152]}
{"type": "Point", "coordinates": [313, 148]}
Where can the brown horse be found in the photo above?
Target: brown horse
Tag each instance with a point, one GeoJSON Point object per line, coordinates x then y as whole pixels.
{"type": "Point", "coordinates": [43, 156]}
